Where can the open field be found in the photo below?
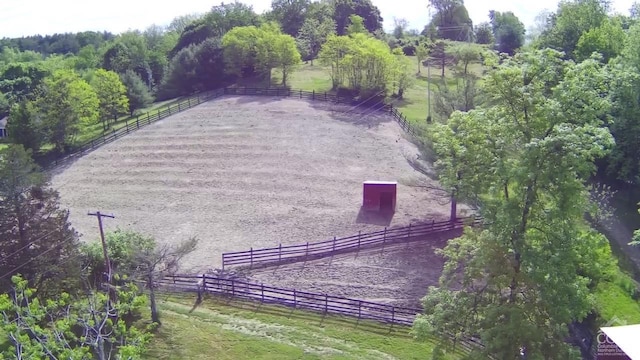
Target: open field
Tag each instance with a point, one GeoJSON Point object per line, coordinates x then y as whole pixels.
{"type": "Point", "coordinates": [242, 172]}
{"type": "Point", "coordinates": [243, 330]}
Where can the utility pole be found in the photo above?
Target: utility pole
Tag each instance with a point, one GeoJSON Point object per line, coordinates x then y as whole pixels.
{"type": "Point", "coordinates": [428, 91]}
{"type": "Point", "coordinates": [107, 263]}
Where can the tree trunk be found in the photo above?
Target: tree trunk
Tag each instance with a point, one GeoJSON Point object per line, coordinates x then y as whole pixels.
{"type": "Point", "coordinates": [419, 66]}
{"type": "Point", "coordinates": [454, 207]}
{"type": "Point", "coordinates": [152, 301]}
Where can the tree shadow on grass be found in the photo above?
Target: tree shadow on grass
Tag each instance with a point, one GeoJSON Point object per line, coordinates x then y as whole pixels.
{"type": "Point", "coordinates": [362, 116]}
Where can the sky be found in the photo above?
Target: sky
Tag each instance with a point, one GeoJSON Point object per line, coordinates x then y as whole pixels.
{"type": "Point", "coordinates": [31, 17]}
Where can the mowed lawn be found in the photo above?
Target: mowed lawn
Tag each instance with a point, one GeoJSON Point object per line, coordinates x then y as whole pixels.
{"type": "Point", "coordinates": [244, 330]}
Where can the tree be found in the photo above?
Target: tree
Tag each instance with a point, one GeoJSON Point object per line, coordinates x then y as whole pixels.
{"type": "Point", "coordinates": [68, 103]}
{"type": "Point", "coordinates": [508, 31]}
{"type": "Point", "coordinates": [290, 14]}
{"type": "Point", "coordinates": [70, 328]}
{"type": "Point", "coordinates": [356, 25]}
{"type": "Point", "coordinates": [37, 238]}
{"type": "Point", "coordinates": [312, 35]}
{"type": "Point", "coordinates": [484, 34]}
{"type": "Point", "coordinates": [451, 20]}
{"type": "Point", "coordinates": [137, 91]}
{"type": "Point", "coordinates": [19, 81]}
{"type": "Point", "coordinates": [136, 257]}
{"type": "Point", "coordinates": [527, 273]}
{"type": "Point", "coordinates": [400, 27]}
{"type": "Point", "coordinates": [422, 52]}
{"type": "Point", "coordinates": [112, 95]}
{"type": "Point", "coordinates": [343, 9]}
{"type": "Point", "coordinates": [465, 54]}
{"type": "Point", "coordinates": [403, 78]}
{"type": "Point", "coordinates": [571, 20]}
{"type": "Point", "coordinates": [179, 23]}
{"type": "Point", "coordinates": [607, 39]}
{"type": "Point", "coordinates": [240, 50]}
{"type": "Point", "coordinates": [25, 126]}
{"type": "Point", "coordinates": [286, 55]}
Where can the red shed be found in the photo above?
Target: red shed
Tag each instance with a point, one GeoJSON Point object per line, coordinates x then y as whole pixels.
{"type": "Point", "coordinates": [379, 195]}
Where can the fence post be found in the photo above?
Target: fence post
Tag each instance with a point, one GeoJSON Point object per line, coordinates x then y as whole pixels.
{"type": "Point", "coordinates": [189, 102]}
{"type": "Point", "coordinates": [325, 96]}
{"type": "Point", "coordinates": [313, 95]}
{"type": "Point", "coordinates": [251, 258]}
{"type": "Point", "coordinates": [409, 233]}
{"type": "Point", "coordinates": [138, 122]}
{"type": "Point", "coordinates": [149, 116]}
{"type": "Point", "coordinates": [334, 243]}
{"type": "Point", "coordinates": [326, 303]}
{"type": "Point", "coordinates": [306, 252]}
{"type": "Point", "coordinates": [178, 107]}
{"type": "Point", "coordinates": [262, 291]}
{"type": "Point", "coordinates": [393, 314]}
{"type": "Point", "coordinates": [233, 288]}
{"type": "Point", "coordinates": [359, 233]}
{"type": "Point", "coordinates": [359, 309]}
{"type": "Point", "coordinates": [433, 224]}
{"type": "Point", "coordinates": [295, 301]}
{"type": "Point", "coordinates": [384, 235]}
{"type": "Point", "coordinates": [280, 252]}
{"type": "Point", "coordinates": [300, 93]}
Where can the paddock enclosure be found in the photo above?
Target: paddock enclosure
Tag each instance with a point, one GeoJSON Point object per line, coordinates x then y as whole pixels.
{"type": "Point", "coordinates": [240, 172]}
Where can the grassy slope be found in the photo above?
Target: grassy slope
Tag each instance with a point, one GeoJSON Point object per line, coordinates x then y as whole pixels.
{"type": "Point", "coordinates": [243, 330]}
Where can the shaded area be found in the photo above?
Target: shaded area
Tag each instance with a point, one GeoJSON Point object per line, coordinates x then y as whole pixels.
{"type": "Point", "coordinates": [380, 218]}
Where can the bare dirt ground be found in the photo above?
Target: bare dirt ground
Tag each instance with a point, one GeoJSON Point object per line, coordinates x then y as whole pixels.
{"type": "Point", "coordinates": [242, 172]}
{"type": "Point", "coordinates": [399, 274]}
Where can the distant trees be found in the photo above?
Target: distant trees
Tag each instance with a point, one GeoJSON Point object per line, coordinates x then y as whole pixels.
{"type": "Point", "coordinates": [360, 62]}
{"type": "Point", "coordinates": [343, 9]}
{"type": "Point", "coordinates": [508, 31]}
{"type": "Point", "coordinates": [290, 14]}
{"type": "Point", "coordinates": [250, 50]}
{"type": "Point", "coordinates": [607, 39]}
{"type": "Point", "coordinates": [137, 92]}
{"type": "Point", "coordinates": [484, 34]}
{"type": "Point", "coordinates": [68, 102]}
{"type": "Point", "coordinates": [312, 35]}
{"type": "Point", "coordinates": [112, 95]}
{"type": "Point", "coordinates": [451, 20]}
{"type": "Point", "coordinates": [25, 125]}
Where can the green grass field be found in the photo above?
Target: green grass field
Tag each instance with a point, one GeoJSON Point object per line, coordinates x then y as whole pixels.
{"type": "Point", "coordinates": [245, 330]}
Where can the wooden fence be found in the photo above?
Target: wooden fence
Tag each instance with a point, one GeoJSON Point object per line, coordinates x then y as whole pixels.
{"type": "Point", "coordinates": [314, 250]}
{"type": "Point", "coordinates": [136, 123]}
{"type": "Point", "coordinates": [323, 303]}
{"type": "Point", "coordinates": [325, 96]}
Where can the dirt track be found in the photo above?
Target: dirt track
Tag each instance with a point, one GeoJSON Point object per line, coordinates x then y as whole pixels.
{"type": "Point", "coordinates": [242, 172]}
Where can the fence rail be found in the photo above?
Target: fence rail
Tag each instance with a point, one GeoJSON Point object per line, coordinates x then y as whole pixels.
{"type": "Point", "coordinates": [324, 303]}
{"type": "Point", "coordinates": [137, 123]}
{"type": "Point", "coordinates": [314, 250]}
{"type": "Point", "coordinates": [324, 96]}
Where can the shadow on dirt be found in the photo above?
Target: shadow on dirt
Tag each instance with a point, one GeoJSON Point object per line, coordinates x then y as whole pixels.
{"type": "Point", "coordinates": [257, 99]}
{"type": "Point", "coordinates": [381, 218]}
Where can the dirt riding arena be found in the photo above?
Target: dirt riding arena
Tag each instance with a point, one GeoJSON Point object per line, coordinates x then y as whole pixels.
{"type": "Point", "coordinates": [242, 172]}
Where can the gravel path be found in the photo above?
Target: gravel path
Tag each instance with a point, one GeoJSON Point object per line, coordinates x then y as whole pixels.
{"type": "Point", "coordinates": [242, 172]}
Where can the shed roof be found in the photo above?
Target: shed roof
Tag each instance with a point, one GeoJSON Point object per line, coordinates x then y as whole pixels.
{"type": "Point", "coordinates": [626, 337]}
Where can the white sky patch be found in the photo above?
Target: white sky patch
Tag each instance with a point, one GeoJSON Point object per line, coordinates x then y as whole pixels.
{"type": "Point", "coordinates": [31, 17]}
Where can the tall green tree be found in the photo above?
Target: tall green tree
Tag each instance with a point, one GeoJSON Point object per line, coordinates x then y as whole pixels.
{"type": "Point", "coordinates": [527, 273]}
{"type": "Point", "coordinates": [67, 104]}
{"type": "Point", "coordinates": [422, 52]}
{"type": "Point", "coordinates": [290, 14]}
{"type": "Point", "coordinates": [312, 35]}
{"type": "Point", "coordinates": [138, 94]}
{"type": "Point", "coordinates": [285, 54]}
{"type": "Point", "coordinates": [356, 25]}
{"type": "Point", "coordinates": [112, 95]}
{"type": "Point", "coordinates": [508, 31]}
{"type": "Point", "coordinates": [607, 39]}
{"type": "Point", "coordinates": [37, 238]}
{"type": "Point", "coordinates": [570, 22]}
{"type": "Point", "coordinates": [484, 34]}
{"type": "Point", "coordinates": [451, 20]}
{"type": "Point", "coordinates": [343, 9]}
{"type": "Point", "coordinates": [25, 125]}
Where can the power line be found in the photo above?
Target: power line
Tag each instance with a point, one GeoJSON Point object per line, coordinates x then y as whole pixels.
{"type": "Point", "coordinates": [26, 246]}
{"type": "Point", "coordinates": [30, 260]}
